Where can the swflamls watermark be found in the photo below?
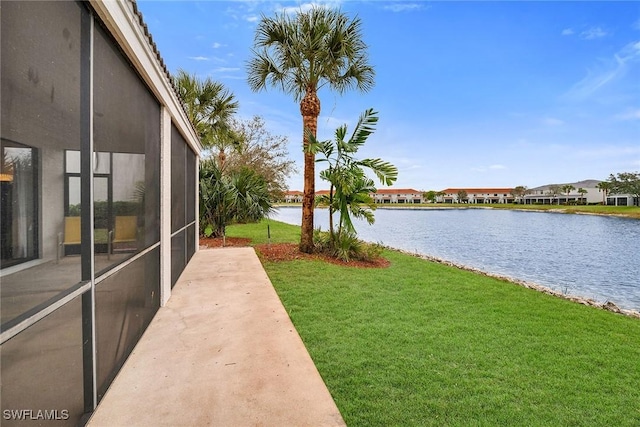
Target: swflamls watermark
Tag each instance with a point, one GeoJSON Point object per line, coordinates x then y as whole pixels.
{"type": "Point", "coordinates": [35, 414]}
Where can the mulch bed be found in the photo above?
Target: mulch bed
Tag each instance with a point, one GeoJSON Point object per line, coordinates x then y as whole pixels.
{"type": "Point", "coordinates": [217, 242]}
{"type": "Point", "coordinates": [276, 252]}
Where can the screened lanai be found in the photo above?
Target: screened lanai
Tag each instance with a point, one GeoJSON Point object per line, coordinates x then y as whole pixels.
{"type": "Point", "coordinates": [98, 208]}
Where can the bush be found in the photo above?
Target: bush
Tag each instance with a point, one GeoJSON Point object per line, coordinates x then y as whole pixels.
{"type": "Point", "coordinates": [240, 196]}
{"type": "Point", "coordinates": [346, 247]}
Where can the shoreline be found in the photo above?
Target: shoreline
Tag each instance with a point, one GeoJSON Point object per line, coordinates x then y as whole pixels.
{"type": "Point", "coordinates": [555, 210]}
{"type": "Point", "coordinates": [607, 306]}
{"type": "Point", "coordinates": [552, 210]}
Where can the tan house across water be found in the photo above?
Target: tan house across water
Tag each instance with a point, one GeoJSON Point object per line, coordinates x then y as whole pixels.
{"type": "Point", "coordinates": [383, 195]}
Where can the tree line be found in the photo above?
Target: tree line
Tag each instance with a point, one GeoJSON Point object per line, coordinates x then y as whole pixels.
{"type": "Point", "coordinates": [622, 183]}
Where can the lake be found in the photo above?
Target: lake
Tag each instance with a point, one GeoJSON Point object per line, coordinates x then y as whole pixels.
{"type": "Point", "coordinates": [591, 256]}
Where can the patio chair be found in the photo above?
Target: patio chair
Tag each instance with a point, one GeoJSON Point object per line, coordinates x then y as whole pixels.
{"type": "Point", "coordinates": [70, 236]}
{"type": "Point", "coordinates": [126, 230]}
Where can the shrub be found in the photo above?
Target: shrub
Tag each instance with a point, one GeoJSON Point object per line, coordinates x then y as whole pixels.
{"type": "Point", "coordinates": [346, 247]}
{"type": "Point", "coordinates": [240, 196]}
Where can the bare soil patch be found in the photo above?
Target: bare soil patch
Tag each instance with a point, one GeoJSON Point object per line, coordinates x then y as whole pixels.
{"type": "Point", "coordinates": [217, 242]}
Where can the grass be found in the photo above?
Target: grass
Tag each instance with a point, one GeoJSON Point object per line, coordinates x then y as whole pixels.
{"type": "Point", "coordinates": [421, 343]}
{"type": "Point", "coordinates": [628, 211]}
{"type": "Point", "coordinates": [259, 233]}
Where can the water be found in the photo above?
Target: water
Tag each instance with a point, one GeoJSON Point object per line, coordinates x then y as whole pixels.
{"type": "Point", "coordinates": [590, 256]}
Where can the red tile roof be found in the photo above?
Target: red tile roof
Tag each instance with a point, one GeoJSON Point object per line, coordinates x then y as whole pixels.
{"type": "Point", "coordinates": [479, 190]}
{"type": "Point", "coordinates": [398, 191]}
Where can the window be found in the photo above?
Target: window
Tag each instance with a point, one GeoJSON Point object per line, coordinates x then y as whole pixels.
{"type": "Point", "coordinates": [183, 170]}
{"type": "Point", "coordinates": [19, 205]}
{"type": "Point", "coordinates": [126, 161]}
{"type": "Point", "coordinates": [41, 108]}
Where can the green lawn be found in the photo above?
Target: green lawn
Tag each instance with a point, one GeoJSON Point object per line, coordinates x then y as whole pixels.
{"type": "Point", "coordinates": [421, 343]}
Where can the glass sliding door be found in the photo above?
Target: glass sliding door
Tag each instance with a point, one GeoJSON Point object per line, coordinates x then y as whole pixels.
{"type": "Point", "coordinates": [18, 205]}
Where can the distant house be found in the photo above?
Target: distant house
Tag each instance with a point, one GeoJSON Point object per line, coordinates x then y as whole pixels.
{"type": "Point", "coordinates": [477, 195]}
{"type": "Point", "coordinates": [397, 195]}
{"type": "Point", "coordinates": [552, 194]}
{"type": "Point", "coordinates": [622, 200]}
{"type": "Point", "coordinates": [322, 193]}
{"type": "Point", "coordinates": [293, 196]}
{"type": "Point", "coordinates": [383, 195]}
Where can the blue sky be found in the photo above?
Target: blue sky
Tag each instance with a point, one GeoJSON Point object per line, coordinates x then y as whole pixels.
{"type": "Point", "coordinates": [470, 94]}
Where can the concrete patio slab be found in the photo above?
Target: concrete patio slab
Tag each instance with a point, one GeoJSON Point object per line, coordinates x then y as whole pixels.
{"type": "Point", "coordinates": [222, 352]}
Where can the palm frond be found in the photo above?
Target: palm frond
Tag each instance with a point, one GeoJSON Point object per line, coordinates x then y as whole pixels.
{"type": "Point", "coordinates": [317, 47]}
{"type": "Point", "coordinates": [384, 171]}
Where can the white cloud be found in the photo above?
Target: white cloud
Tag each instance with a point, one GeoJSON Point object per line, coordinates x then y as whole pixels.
{"type": "Point", "coordinates": [199, 58]}
{"type": "Point", "coordinates": [330, 124]}
{"type": "Point", "coordinates": [292, 10]}
{"type": "Point", "coordinates": [636, 25]}
{"type": "Point", "coordinates": [252, 18]}
{"type": "Point", "coordinates": [567, 32]}
{"type": "Point", "coordinates": [593, 33]}
{"type": "Point", "coordinates": [551, 121]}
{"type": "Point", "coordinates": [403, 7]}
{"type": "Point", "coordinates": [483, 169]}
{"type": "Point", "coordinates": [232, 77]}
{"type": "Point", "coordinates": [225, 69]}
{"type": "Point", "coordinates": [305, 7]}
{"type": "Point", "coordinates": [610, 70]}
{"type": "Point", "coordinates": [629, 115]}
{"type": "Point", "coordinates": [609, 152]}
{"type": "Point", "coordinates": [217, 45]}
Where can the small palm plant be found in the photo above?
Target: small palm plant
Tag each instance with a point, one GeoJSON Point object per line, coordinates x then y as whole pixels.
{"type": "Point", "coordinates": [350, 188]}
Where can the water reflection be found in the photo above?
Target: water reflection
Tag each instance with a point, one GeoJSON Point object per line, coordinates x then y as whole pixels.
{"type": "Point", "coordinates": [585, 255]}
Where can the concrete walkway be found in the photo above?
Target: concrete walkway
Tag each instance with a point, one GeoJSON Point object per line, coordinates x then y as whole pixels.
{"type": "Point", "coordinates": [222, 352]}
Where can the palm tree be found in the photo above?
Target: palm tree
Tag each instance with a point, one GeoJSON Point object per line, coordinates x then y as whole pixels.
{"type": "Point", "coordinates": [300, 55]}
{"type": "Point", "coordinates": [346, 176]}
{"type": "Point", "coordinates": [605, 187]}
{"type": "Point", "coordinates": [568, 188]}
{"type": "Point", "coordinates": [582, 192]}
{"type": "Point", "coordinates": [210, 107]}
{"type": "Point", "coordinates": [553, 191]}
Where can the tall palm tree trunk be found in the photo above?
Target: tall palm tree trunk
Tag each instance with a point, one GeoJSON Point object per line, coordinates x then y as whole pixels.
{"type": "Point", "coordinates": [310, 110]}
{"type": "Point", "coordinates": [222, 157]}
{"type": "Point", "coordinates": [331, 234]}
